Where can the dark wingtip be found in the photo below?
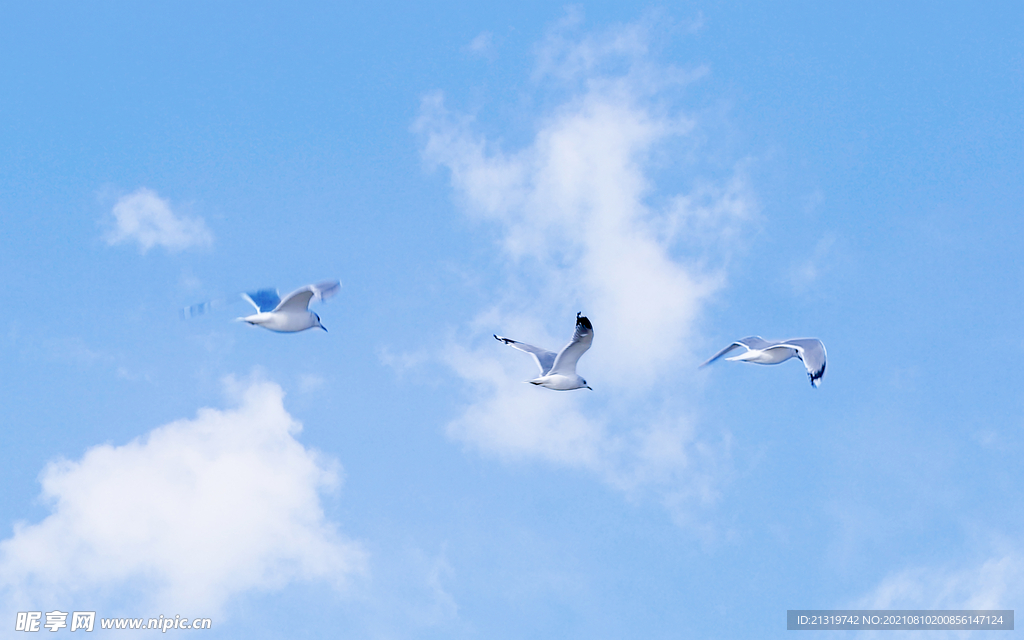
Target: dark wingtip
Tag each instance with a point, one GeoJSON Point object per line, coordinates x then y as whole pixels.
{"type": "Point", "coordinates": [816, 377]}
{"type": "Point", "coordinates": [502, 340]}
{"type": "Point", "coordinates": [583, 320]}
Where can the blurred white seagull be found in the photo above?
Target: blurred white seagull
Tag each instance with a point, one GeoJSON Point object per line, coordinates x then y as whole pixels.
{"type": "Point", "coordinates": [558, 371]}
{"type": "Point", "coordinates": [759, 351]}
{"type": "Point", "coordinates": [290, 314]}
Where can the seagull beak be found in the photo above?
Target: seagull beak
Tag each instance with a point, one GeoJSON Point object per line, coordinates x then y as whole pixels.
{"type": "Point", "coordinates": [589, 388]}
{"type": "Point", "coordinates": [323, 327]}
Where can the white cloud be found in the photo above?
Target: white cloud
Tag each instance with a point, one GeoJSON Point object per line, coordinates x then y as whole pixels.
{"type": "Point", "coordinates": [185, 517]}
{"type": "Point", "coordinates": [579, 232]}
{"type": "Point", "coordinates": [995, 583]}
{"type": "Point", "coordinates": [146, 218]}
{"type": "Point", "coordinates": [565, 55]}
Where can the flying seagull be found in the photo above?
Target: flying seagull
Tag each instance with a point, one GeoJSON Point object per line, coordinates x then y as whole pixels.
{"type": "Point", "coordinates": [291, 313]}
{"type": "Point", "coordinates": [288, 316]}
{"type": "Point", "coordinates": [759, 351]}
{"type": "Point", "coordinates": [558, 371]}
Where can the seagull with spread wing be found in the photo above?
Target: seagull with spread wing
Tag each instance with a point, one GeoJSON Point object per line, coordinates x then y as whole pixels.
{"type": "Point", "coordinates": [290, 314]}
{"type": "Point", "coordinates": [558, 371]}
{"type": "Point", "coordinates": [760, 351]}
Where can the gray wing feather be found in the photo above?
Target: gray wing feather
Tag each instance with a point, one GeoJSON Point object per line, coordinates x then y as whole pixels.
{"type": "Point", "coordinates": [544, 358]}
{"type": "Point", "coordinates": [757, 342]}
{"type": "Point", "coordinates": [298, 300]}
{"type": "Point", "coordinates": [748, 343]}
{"type": "Point", "coordinates": [325, 289]}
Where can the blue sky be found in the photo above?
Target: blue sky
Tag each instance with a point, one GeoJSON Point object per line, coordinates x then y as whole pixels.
{"type": "Point", "coordinates": [685, 175]}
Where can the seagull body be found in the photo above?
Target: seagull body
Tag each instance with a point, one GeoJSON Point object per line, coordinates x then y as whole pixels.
{"type": "Point", "coordinates": [558, 371]}
{"type": "Point", "coordinates": [290, 314]}
{"type": "Point", "coordinates": [811, 352]}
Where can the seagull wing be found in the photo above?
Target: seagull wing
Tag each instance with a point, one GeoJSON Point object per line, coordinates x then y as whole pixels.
{"type": "Point", "coordinates": [325, 289]}
{"type": "Point", "coordinates": [752, 342]}
{"type": "Point", "coordinates": [565, 363]}
{"type": "Point", "coordinates": [812, 352]}
{"type": "Point", "coordinates": [298, 300]}
{"type": "Point", "coordinates": [542, 357]}
{"type": "Point", "coordinates": [757, 342]}
{"type": "Point", "coordinates": [263, 300]}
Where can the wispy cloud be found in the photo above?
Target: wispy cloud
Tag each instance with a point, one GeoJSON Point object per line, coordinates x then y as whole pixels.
{"type": "Point", "coordinates": [146, 218]}
{"type": "Point", "coordinates": [311, 383]}
{"type": "Point", "coordinates": [994, 583]}
{"type": "Point", "coordinates": [805, 275]}
{"type": "Point", "coordinates": [482, 44]}
{"type": "Point", "coordinates": [578, 231]}
{"type": "Point", "coordinates": [187, 516]}
{"type": "Point", "coordinates": [568, 54]}
{"type": "Point", "coordinates": [404, 361]}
